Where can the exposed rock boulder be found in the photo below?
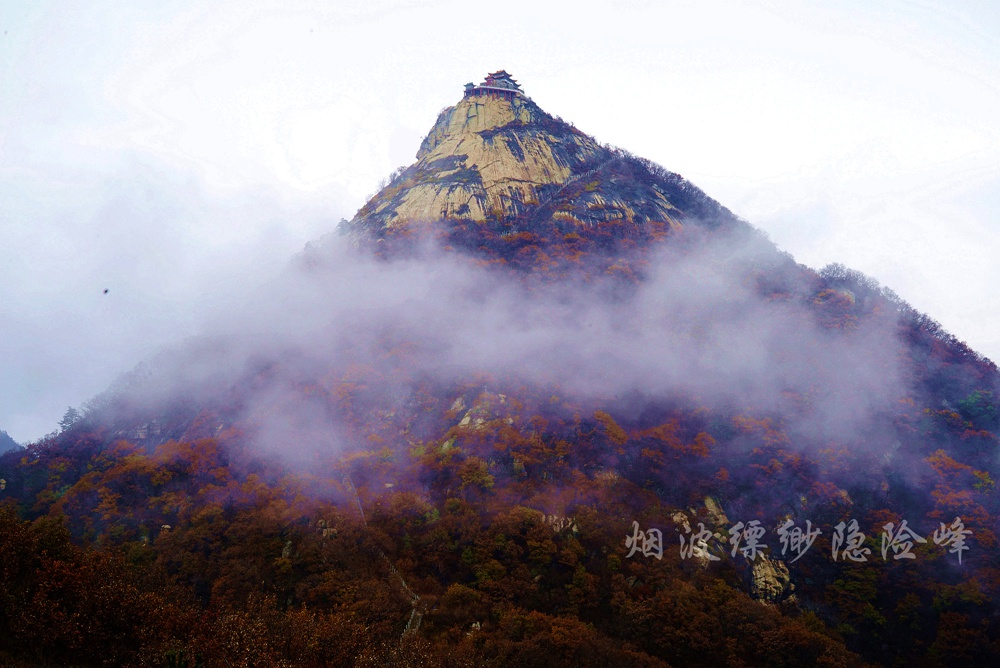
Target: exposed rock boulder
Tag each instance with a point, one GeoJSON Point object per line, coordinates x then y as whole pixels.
{"type": "Point", "coordinates": [770, 580]}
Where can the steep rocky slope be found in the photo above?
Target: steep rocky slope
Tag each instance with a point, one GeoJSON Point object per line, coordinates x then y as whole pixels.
{"type": "Point", "coordinates": [510, 166]}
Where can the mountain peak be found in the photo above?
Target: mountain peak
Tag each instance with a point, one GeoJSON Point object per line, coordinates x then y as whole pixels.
{"type": "Point", "coordinates": [497, 160]}
{"type": "Point", "coordinates": [491, 154]}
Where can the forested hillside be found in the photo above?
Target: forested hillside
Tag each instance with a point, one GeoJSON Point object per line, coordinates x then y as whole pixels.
{"type": "Point", "coordinates": [541, 402]}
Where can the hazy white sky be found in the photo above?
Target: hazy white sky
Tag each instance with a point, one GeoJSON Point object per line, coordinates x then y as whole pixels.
{"type": "Point", "coordinates": [175, 153]}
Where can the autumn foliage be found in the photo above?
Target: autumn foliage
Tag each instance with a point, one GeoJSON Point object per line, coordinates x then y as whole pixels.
{"type": "Point", "coordinates": [476, 518]}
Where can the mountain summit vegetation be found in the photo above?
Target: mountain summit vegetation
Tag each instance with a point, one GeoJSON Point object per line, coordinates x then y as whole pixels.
{"type": "Point", "coordinates": [540, 402]}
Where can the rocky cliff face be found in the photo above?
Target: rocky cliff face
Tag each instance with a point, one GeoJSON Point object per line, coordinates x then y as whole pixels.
{"type": "Point", "coordinates": [507, 162]}
{"type": "Point", "coordinates": [484, 157]}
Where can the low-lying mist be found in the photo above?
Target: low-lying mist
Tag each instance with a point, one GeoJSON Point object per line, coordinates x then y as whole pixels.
{"type": "Point", "coordinates": [697, 327]}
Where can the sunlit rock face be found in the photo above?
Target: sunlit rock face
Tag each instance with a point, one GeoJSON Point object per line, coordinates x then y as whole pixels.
{"type": "Point", "coordinates": [484, 157]}
{"type": "Point", "coordinates": [490, 159]}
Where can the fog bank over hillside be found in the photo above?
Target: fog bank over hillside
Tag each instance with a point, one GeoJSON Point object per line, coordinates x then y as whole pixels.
{"type": "Point", "coordinates": [696, 330]}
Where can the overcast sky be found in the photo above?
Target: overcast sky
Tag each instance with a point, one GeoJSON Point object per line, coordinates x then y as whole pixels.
{"type": "Point", "coordinates": [175, 153]}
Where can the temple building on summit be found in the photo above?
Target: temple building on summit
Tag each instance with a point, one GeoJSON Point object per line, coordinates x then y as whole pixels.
{"type": "Point", "coordinates": [498, 84]}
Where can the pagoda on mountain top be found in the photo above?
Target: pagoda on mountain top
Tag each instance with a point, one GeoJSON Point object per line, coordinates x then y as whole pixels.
{"type": "Point", "coordinates": [497, 84]}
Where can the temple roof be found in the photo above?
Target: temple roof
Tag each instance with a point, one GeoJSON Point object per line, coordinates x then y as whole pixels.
{"type": "Point", "coordinates": [501, 79]}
